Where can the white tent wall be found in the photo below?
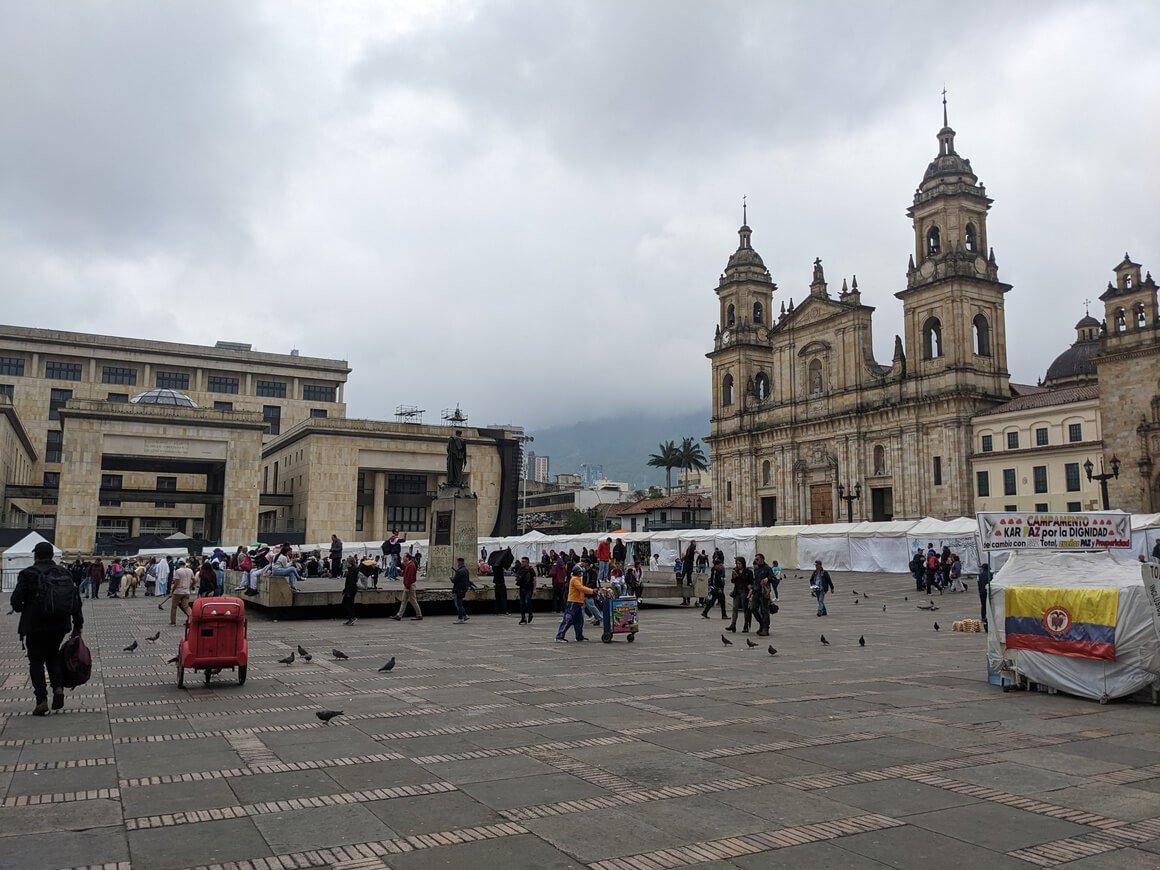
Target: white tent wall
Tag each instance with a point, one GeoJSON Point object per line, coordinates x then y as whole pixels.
{"type": "Point", "coordinates": [175, 552]}
{"type": "Point", "coordinates": [880, 547]}
{"type": "Point", "coordinates": [960, 534]}
{"type": "Point", "coordinates": [779, 544]}
{"type": "Point", "coordinates": [829, 542]}
{"type": "Point", "coordinates": [20, 556]}
{"type": "Point", "coordinates": [1137, 663]}
{"type": "Point", "coordinates": [732, 543]}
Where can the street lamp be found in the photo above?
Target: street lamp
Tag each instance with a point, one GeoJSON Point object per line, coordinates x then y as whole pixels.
{"type": "Point", "coordinates": [524, 440]}
{"type": "Point", "coordinates": [694, 503]}
{"type": "Point", "coordinates": [1104, 476]}
{"type": "Point", "coordinates": [850, 499]}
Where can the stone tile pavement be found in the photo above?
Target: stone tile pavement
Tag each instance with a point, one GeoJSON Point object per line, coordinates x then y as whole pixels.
{"type": "Point", "coordinates": [490, 745]}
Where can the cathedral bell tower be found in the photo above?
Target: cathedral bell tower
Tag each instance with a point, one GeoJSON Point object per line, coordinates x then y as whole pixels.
{"type": "Point", "coordinates": [741, 348]}
{"type": "Point", "coordinates": [953, 301]}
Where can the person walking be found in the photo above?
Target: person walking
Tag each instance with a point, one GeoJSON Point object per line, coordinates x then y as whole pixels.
{"type": "Point", "coordinates": [410, 575]}
{"type": "Point", "coordinates": [603, 556]}
{"type": "Point", "coordinates": [742, 581]}
{"type": "Point", "coordinates": [181, 586]}
{"type": "Point", "coordinates": [687, 565]}
{"type": "Point", "coordinates": [335, 556]}
{"type": "Point", "coordinates": [574, 613]}
{"type": "Point", "coordinates": [526, 584]}
{"type": "Point", "coordinates": [49, 604]}
{"type": "Point", "coordinates": [775, 579]}
{"type": "Point", "coordinates": [350, 589]}
{"type": "Point", "coordinates": [96, 578]}
{"type": "Point", "coordinates": [460, 580]}
{"type": "Point", "coordinates": [499, 562]}
{"type": "Point", "coordinates": [716, 590]}
{"type": "Point", "coordinates": [984, 583]}
{"type": "Point", "coordinates": [759, 596]}
{"type": "Point", "coordinates": [820, 584]}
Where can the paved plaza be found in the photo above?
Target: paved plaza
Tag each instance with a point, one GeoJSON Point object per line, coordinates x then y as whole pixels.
{"type": "Point", "coordinates": [492, 746]}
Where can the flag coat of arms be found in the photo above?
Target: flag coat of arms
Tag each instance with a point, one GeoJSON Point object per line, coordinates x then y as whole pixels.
{"type": "Point", "coordinates": [1080, 623]}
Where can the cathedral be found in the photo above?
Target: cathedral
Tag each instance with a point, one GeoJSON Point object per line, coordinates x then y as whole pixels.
{"type": "Point", "coordinates": [807, 427]}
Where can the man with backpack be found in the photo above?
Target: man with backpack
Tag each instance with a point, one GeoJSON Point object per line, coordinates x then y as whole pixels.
{"type": "Point", "coordinates": [49, 606]}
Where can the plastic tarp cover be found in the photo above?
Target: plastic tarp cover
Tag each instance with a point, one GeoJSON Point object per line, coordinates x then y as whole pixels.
{"type": "Point", "coordinates": [828, 542]}
{"type": "Point", "coordinates": [1137, 663]}
{"type": "Point", "coordinates": [880, 547]}
{"type": "Point", "coordinates": [779, 544]}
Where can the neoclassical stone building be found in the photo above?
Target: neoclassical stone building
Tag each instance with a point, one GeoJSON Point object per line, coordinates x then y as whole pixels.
{"type": "Point", "coordinates": [800, 405]}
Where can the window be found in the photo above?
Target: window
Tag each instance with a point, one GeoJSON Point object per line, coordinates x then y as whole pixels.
{"type": "Point", "coordinates": [982, 331]}
{"type": "Point", "coordinates": [407, 484]}
{"type": "Point", "coordinates": [359, 514]}
{"type": "Point", "coordinates": [111, 482]}
{"type": "Point", "coordinates": [118, 397]}
{"type": "Point", "coordinates": [118, 375]}
{"type": "Point", "coordinates": [319, 393]}
{"type": "Point", "coordinates": [761, 386]}
{"type": "Point", "coordinates": [879, 459]}
{"type": "Point", "coordinates": [1011, 508]}
{"type": "Point", "coordinates": [6, 390]}
{"type": "Point", "coordinates": [971, 242]}
{"type": "Point", "coordinates": [983, 483]}
{"type": "Point", "coordinates": [933, 241]}
{"type": "Point", "coordinates": [988, 443]}
{"type": "Point", "coordinates": [222, 384]}
{"type": "Point", "coordinates": [728, 490]}
{"type": "Point", "coordinates": [319, 413]}
{"type": "Point", "coordinates": [765, 473]}
{"type": "Point", "coordinates": [730, 316]}
{"type": "Point", "coordinates": [223, 406]}
{"type": "Point", "coordinates": [727, 390]}
{"type": "Point", "coordinates": [1041, 436]}
{"type": "Point", "coordinates": [1009, 481]}
{"type": "Point", "coordinates": [1075, 432]}
{"type": "Point", "coordinates": [62, 371]}
{"type": "Point", "coordinates": [407, 519]}
{"type": "Point", "coordinates": [1074, 507]}
{"type": "Point", "coordinates": [938, 471]}
{"type": "Point", "coordinates": [664, 516]}
{"type": "Point", "coordinates": [1012, 440]}
{"type": "Point", "coordinates": [56, 400]}
{"type": "Point", "coordinates": [12, 365]}
{"type": "Point", "coordinates": [1041, 507]}
{"type": "Point", "coordinates": [272, 389]}
{"type": "Point", "coordinates": [932, 339]}
{"type": "Point", "coordinates": [52, 447]}
{"type": "Point", "coordinates": [815, 377]}
{"type": "Point", "coordinates": [51, 481]}
{"type": "Point", "coordinates": [166, 484]}
{"type": "Point", "coordinates": [272, 414]}
{"type": "Point", "coordinates": [172, 381]}
{"type": "Point", "coordinates": [758, 312]}
{"type": "Point", "coordinates": [1071, 475]}
{"type": "Point", "coordinates": [1039, 475]}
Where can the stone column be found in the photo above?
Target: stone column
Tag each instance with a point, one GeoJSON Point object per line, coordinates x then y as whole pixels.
{"type": "Point", "coordinates": [242, 483]}
{"type": "Point", "coordinates": [378, 508]}
{"type": "Point", "coordinates": [80, 483]}
{"type": "Point", "coordinates": [453, 532]}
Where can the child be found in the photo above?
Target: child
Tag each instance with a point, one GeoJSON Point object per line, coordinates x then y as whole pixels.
{"type": "Point", "coordinates": [678, 569]}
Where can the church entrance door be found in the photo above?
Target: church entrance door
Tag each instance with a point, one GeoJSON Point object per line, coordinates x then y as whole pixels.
{"type": "Point", "coordinates": [821, 503]}
{"type": "Point", "coordinates": [882, 504]}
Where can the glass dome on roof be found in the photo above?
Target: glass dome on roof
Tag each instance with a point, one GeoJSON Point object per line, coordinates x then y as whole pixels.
{"type": "Point", "coordinates": [164, 397]}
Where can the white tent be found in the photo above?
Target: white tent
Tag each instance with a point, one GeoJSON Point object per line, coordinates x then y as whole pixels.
{"type": "Point", "coordinates": [1137, 647]}
{"type": "Point", "coordinates": [829, 542]}
{"type": "Point", "coordinates": [162, 552]}
{"type": "Point", "coordinates": [881, 546]}
{"type": "Point", "coordinates": [732, 543]}
{"type": "Point", "coordinates": [780, 544]}
{"type": "Point", "coordinates": [960, 534]}
{"type": "Point", "coordinates": [19, 556]}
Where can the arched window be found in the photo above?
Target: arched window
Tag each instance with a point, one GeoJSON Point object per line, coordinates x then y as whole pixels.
{"type": "Point", "coordinates": [758, 312]}
{"type": "Point", "coordinates": [971, 241]}
{"type": "Point", "coordinates": [730, 316]}
{"type": "Point", "coordinates": [933, 241]}
{"type": "Point", "coordinates": [761, 386]}
{"type": "Point", "coordinates": [879, 459]}
{"type": "Point", "coordinates": [815, 377]}
{"type": "Point", "coordinates": [932, 339]}
{"type": "Point", "coordinates": [727, 390]}
{"type": "Point", "coordinates": [1127, 282]}
{"type": "Point", "coordinates": [982, 336]}
{"type": "Point", "coordinates": [765, 473]}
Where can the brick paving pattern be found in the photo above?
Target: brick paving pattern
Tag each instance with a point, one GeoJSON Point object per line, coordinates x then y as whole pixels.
{"type": "Point", "coordinates": [491, 745]}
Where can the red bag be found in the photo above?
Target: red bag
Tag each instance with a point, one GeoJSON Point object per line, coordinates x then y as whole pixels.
{"type": "Point", "coordinates": [76, 662]}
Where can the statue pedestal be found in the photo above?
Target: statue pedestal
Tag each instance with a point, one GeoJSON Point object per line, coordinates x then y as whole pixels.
{"type": "Point", "coordinates": [453, 532]}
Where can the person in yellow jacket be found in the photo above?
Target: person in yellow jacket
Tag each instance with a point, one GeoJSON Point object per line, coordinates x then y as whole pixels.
{"type": "Point", "coordinates": [574, 611]}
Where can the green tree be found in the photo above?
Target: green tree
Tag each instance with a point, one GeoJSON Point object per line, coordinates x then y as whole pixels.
{"type": "Point", "coordinates": [576, 522]}
{"type": "Point", "coordinates": [692, 455]}
{"type": "Point", "coordinates": [668, 458]}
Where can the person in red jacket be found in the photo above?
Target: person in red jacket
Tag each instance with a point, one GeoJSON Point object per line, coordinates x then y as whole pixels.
{"type": "Point", "coordinates": [410, 575]}
{"type": "Point", "coordinates": [603, 556]}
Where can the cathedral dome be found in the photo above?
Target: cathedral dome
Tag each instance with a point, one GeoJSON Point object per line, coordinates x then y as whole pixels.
{"type": "Point", "coordinates": [171, 398]}
{"type": "Point", "coordinates": [1074, 365]}
{"type": "Point", "coordinates": [1088, 322]}
{"type": "Point", "coordinates": [745, 255]}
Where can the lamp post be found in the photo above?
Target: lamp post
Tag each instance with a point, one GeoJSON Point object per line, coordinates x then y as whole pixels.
{"type": "Point", "coordinates": [1104, 476]}
{"type": "Point", "coordinates": [524, 440]}
{"type": "Point", "coordinates": [694, 503]}
{"type": "Point", "coordinates": [850, 499]}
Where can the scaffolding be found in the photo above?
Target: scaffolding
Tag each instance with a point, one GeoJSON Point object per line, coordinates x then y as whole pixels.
{"type": "Point", "coordinates": [453, 417]}
{"type": "Point", "coordinates": [409, 414]}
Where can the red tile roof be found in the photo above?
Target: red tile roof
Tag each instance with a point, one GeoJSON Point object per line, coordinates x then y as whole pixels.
{"type": "Point", "coordinates": [1045, 398]}
{"type": "Point", "coordinates": [688, 502]}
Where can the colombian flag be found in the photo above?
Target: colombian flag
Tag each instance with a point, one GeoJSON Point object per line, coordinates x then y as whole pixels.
{"type": "Point", "coordinates": [1080, 623]}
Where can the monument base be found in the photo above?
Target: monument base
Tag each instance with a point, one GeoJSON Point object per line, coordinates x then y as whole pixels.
{"type": "Point", "coordinates": [453, 533]}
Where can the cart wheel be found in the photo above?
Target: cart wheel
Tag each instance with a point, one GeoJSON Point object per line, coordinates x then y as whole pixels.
{"type": "Point", "coordinates": [241, 675]}
{"type": "Point", "coordinates": [631, 636]}
{"type": "Point", "coordinates": [606, 637]}
{"type": "Point", "coordinates": [180, 677]}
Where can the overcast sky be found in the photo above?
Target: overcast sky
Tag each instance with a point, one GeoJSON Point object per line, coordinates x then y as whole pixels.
{"type": "Point", "coordinates": [523, 207]}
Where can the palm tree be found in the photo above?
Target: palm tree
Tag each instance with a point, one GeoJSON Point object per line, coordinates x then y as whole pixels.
{"type": "Point", "coordinates": [692, 456]}
{"type": "Point", "coordinates": [668, 459]}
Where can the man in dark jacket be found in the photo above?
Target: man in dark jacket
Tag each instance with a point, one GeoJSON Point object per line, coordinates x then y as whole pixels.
{"type": "Point", "coordinates": [526, 583]}
{"type": "Point", "coordinates": [460, 580]}
{"type": "Point", "coordinates": [41, 630]}
{"type": "Point", "coordinates": [500, 561]}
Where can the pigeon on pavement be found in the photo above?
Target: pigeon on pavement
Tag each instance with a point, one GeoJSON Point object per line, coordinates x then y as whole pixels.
{"type": "Point", "coordinates": [130, 647]}
{"type": "Point", "coordinates": [726, 641]}
{"type": "Point", "coordinates": [936, 626]}
{"type": "Point", "coordinates": [307, 657]}
{"type": "Point", "coordinates": [749, 643]}
{"type": "Point", "coordinates": [339, 654]}
{"type": "Point", "coordinates": [861, 640]}
{"type": "Point", "coordinates": [772, 651]}
{"type": "Point", "coordinates": [153, 639]}
{"type": "Point", "coordinates": [327, 715]}
{"type": "Point", "coordinates": [824, 641]}
{"type": "Point", "coordinates": [289, 660]}
{"type": "Point", "coordinates": [883, 608]}
{"type": "Point", "coordinates": [302, 651]}
{"type": "Point", "coordinates": [389, 666]}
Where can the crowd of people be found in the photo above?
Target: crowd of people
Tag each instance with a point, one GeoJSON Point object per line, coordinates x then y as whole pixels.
{"type": "Point", "coordinates": [934, 570]}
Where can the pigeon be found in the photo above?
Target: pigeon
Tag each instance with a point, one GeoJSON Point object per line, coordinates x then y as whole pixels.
{"type": "Point", "coordinates": [749, 643]}
{"type": "Point", "coordinates": [339, 654]}
{"type": "Point", "coordinates": [153, 639]}
{"type": "Point", "coordinates": [824, 641]}
{"type": "Point", "coordinates": [302, 651]}
{"type": "Point", "coordinates": [327, 715]}
{"type": "Point", "coordinates": [936, 626]}
{"type": "Point", "coordinates": [883, 608]}
{"type": "Point", "coordinates": [856, 600]}
{"type": "Point", "coordinates": [866, 596]}
{"type": "Point", "coordinates": [308, 657]}
{"type": "Point", "coordinates": [771, 650]}
{"type": "Point", "coordinates": [726, 641]}
{"type": "Point", "coordinates": [289, 660]}
{"type": "Point", "coordinates": [853, 591]}
{"type": "Point", "coordinates": [389, 666]}
{"type": "Point", "coordinates": [905, 597]}
{"type": "Point", "coordinates": [172, 661]}
{"type": "Point", "coordinates": [861, 640]}
{"type": "Point", "coordinates": [131, 647]}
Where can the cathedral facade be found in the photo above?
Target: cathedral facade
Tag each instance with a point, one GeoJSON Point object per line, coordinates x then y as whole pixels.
{"type": "Point", "coordinates": [803, 416]}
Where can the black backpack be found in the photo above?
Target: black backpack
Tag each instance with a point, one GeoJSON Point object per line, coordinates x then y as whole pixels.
{"type": "Point", "coordinates": [56, 593]}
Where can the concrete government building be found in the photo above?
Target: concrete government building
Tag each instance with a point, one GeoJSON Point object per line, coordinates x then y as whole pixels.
{"type": "Point", "coordinates": [802, 413]}
{"type": "Point", "coordinates": [105, 438]}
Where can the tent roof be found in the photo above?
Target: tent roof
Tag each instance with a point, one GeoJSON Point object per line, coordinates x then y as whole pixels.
{"type": "Point", "coordinates": [826, 530]}
{"type": "Point", "coordinates": [892, 529]}
{"type": "Point", "coordinates": [782, 531]}
{"type": "Point", "coordinates": [27, 543]}
{"type": "Point", "coordinates": [1067, 569]}
{"type": "Point", "coordinates": [956, 528]}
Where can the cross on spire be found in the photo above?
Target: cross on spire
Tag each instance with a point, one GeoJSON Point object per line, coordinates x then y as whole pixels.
{"type": "Point", "coordinates": [744, 211]}
{"type": "Point", "coordinates": [944, 96]}
{"type": "Point", "coordinates": [1086, 306]}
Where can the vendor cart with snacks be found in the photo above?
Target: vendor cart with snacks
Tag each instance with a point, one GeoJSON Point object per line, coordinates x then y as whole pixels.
{"type": "Point", "coordinates": [620, 617]}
